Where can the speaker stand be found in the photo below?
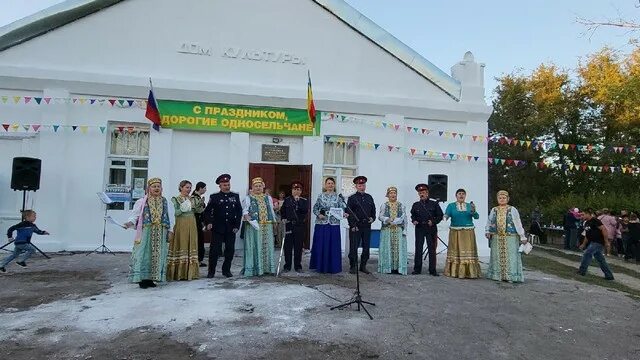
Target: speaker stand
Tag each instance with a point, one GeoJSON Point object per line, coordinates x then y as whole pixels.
{"type": "Point", "coordinates": [24, 203]}
{"type": "Point", "coordinates": [103, 249]}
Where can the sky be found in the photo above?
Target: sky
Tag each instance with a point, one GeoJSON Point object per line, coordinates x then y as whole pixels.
{"type": "Point", "coordinates": [505, 35]}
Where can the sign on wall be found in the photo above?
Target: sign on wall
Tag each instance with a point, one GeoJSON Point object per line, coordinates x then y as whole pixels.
{"type": "Point", "coordinates": [275, 153]}
{"type": "Point", "coordinates": [182, 115]}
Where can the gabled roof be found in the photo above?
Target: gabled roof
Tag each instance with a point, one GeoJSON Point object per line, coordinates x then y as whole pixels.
{"type": "Point", "coordinates": [71, 10]}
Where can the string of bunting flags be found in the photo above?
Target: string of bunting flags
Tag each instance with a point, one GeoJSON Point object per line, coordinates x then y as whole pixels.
{"type": "Point", "coordinates": [625, 169]}
{"type": "Point", "coordinates": [447, 134]}
{"type": "Point", "coordinates": [551, 144]}
{"type": "Point", "coordinates": [36, 128]}
{"type": "Point", "coordinates": [330, 116]}
{"type": "Point", "coordinates": [44, 101]}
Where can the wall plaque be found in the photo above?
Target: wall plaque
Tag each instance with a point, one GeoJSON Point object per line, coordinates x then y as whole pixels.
{"type": "Point", "coordinates": [275, 152]}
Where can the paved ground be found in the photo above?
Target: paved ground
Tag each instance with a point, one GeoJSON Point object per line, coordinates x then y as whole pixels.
{"type": "Point", "coordinates": [80, 307]}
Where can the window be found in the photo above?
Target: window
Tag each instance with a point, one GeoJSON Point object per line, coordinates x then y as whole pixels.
{"type": "Point", "coordinates": [341, 163]}
{"type": "Point", "coordinates": [128, 161]}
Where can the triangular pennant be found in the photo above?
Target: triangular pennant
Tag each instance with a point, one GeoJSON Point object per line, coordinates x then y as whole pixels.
{"type": "Point", "coordinates": [490, 160]}
{"type": "Point", "coordinates": [413, 151]}
{"type": "Point", "coordinates": [74, 127]}
{"type": "Point", "coordinates": [376, 146]}
{"type": "Point", "coordinates": [131, 128]}
{"type": "Point", "coordinates": [384, 125]}
{"type": "Point", "coordinates": [503, 161]}
{"type": "Point", "coordinates": [496, 161]}
{"type": "Point", "coordinates": [84, 128]}
{"type": "Point", "coordinates": [605, 168]}
{"type": "Point", "coordinates": [476, 158]}
{"type": "Point", "coordinates": [396, 127]}
{"type": "Point", "coordinates": [121, 102]}
{"type": "Point", "coordinates": [47, 100]}
{"type": "Point", "coordinates": [509, 162]}
{"type": "Point", "coordinates": [599, 169]}
{"type": "Point", "coordinates": [15, 127]}
{"type": "Point", "coordinates": [474, 137]}
{"type": "Point", "coordinates": [583, 167]}
{"type": "Point", "coordinates": [16, 99]}
{"type": "Point", "coordinates": [469, 157]}
{"type": "Point", "coordinates": [390, 148]}
{"type": "Point", "coordinates": [38, 100]}
{"type": "Point", "coordinates": [26, 127]}
{"type": "Point", "coordinates": [572, 146]}
{"type": "Point", "coordinates": [424, 131]}
{"type": "Point", "coordinates": [36, 127]}
{"type": "Point", "coordinates": [112, 102]}
{"type": "Point", "coordinates": [398, 148]}
{"type": "Point", "coordinates": [415, 130]}
{"type": "Point", "coordinates": [74, 100]}
{"type": "Point", "coordinates": [92, 101]}
{"type": "Point", "coordinates": [454, 135]}
{"type": "Point", "coordinates": [5, 99]}
{"type": "Point", "coordinates": [55, 128]}
{"type": "Point", "coordinates": [82, 101]}
{"type": "Point", "coordinates": [440, 133]}
{"type": "Point", "coordinates": [461, 136]}
{"type": "Point", "coordinates": [409, 128]}
{"type": "Point", "coordinates": [6, 127]}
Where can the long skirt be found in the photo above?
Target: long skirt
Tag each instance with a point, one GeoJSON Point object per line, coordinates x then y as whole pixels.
{"type": "Point", "coordinates": [326, 251]}
{"type": "Point", "coordinates": [505, 263]}
{"type": "Point", "coordinates": [462, 255]}
{"type": "Point", "coordinates": [258, 250]}
{"type": "Point", "coordinates": [149, 257]}
{"type": "Point", "coordinates": [392, 251]}
{"type": "Point", "coordinates": [183, 250]}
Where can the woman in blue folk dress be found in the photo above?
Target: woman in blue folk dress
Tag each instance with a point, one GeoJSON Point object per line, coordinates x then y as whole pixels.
{"type": "Point", "coordinates": [259, 217]}
{"type": "Point", "coordinates": [326, 250]}
{"type": "Point", "coordinates": [505, 233]}
{"type": "Point", "coordinates": [392, 258]}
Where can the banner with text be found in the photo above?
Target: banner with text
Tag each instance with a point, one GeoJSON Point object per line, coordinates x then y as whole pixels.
{"type": "Point", "coordinates": [196, 116]}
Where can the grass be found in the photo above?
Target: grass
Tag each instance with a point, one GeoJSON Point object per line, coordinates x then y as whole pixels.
{"type": "Point", "coordinates": [574, 257]}
{"type": "Point", "coordinates": [549, 266]}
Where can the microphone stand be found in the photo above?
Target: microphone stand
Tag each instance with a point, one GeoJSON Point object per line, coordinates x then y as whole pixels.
{"type": "Point", "coordinates": [357, 297]}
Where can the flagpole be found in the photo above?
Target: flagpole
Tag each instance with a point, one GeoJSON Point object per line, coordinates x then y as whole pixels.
{"type": "Point", "coordinates": [309, 77]}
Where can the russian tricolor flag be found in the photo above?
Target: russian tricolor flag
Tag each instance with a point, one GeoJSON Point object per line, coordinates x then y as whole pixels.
{"type": "Point", "coordinates": [152, 111]}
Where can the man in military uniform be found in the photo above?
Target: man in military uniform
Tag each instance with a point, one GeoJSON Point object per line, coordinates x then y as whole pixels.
{"type": "Point", "coordinates": [294, 213]}
{"type": "Point", "coordinates": [426, 214]}
{"type": "Point", "coordinates": [362, 212]}
{"type": "Point", "coordinates": [223, 215]}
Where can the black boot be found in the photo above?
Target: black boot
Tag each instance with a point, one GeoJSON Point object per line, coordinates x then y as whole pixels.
{"type": "Point", "coordinates": [143, 284]}
{"type": "Point", "coordinates": [353, 270]}
{"type": "Point", "coordinates": [151, 284]}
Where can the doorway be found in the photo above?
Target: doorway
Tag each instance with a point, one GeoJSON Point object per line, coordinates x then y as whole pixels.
{"type": "Point", "coordinates": [279, 178]}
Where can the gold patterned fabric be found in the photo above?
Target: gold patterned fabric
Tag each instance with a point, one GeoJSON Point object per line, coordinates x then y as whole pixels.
{"type": "Point", "coordinates": [501, 227]}
{"type": "Point", "coordinates": [182, 263]}
{"type": "Point", "coordinates": [462, 255]}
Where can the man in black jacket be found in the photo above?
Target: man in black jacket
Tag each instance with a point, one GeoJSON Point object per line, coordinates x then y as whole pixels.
{"type": "Point", "coordinates": [362, 212]}
{"type": "Point", "coordinates": [294, 213]}
{"type": "Point", "coordinates": [223, 215]}
{"type": "Point", "coordinates": [426, 214]}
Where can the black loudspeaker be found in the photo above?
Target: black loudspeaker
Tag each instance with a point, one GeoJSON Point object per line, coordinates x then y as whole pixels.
{"type": "Point", "coordinates": [26, 174]}
{"type": "Point", "coordinates": [438, 187]}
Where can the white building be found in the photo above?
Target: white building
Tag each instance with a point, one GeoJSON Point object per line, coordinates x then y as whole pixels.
{"type": "Point", "coordinates": [74, 78]}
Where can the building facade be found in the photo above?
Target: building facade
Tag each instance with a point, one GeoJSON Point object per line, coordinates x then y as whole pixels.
{"type": "Point", "coordinates": [74, 80]}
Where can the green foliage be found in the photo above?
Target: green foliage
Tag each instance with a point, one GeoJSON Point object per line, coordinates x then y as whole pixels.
{"type": "Point", "coordinates": [600, 104]}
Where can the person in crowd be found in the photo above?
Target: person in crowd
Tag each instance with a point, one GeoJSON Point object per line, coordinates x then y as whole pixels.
{"type": "Point", "coordinates": [633, 244]}
{"type": "Point", "coordinates": [22, 248]}
{"type": "Point", "coordinates": [623, 230]}
{"type": "Point", "coordinates": [223, 216]}
{"type": "Point", "coordinates": [392, 258]}
{"type": "Point", "coordinates": [362, 213]}
{"type": "Point", "coordinates": [505, 233]}
{"type": "Point", "coordinates": [183, 251]}
{"type": "Point", "coordinates": [595, 240]}
{"type": "Point", "coordinates": [197, 199]}
{"type": "Point", "coordinates": [153, 218]}
{"type": "Point", "coordinates": [610, 223]}
{"type": "Point", "coordinates": [294, 214]}
{"type": "Point", "coordinates": [426, 214]}
{"type": "Point", "coordinates": [570, 225]}
{"type": "Point", "coordinates": [259, 217]}
{"type": "Point", "coordinates": [326, 250]}
{"type": "Point", "coordinates": [462, 254]}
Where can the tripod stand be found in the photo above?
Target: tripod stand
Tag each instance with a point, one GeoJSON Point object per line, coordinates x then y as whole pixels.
{"type": "Point", "coordinates": [103, 249]}
{"type": "Point", "coordinates": [24, 202]}
{"type": "Point", "coordinates": [357, 297]}
{"type": "Point", "coordinates": [425, 252]}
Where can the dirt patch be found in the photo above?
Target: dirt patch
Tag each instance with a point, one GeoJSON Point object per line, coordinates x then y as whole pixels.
{"type": "Point", "coordinates": [312, 350]}
{"type": "Point", "coordinates": [136, 344]}
{"type": "Point", "coordinates": [21, 291]}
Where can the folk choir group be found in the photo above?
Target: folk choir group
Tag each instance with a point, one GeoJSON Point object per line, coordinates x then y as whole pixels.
{"type": "Point", "coordinates": [167, 245]}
